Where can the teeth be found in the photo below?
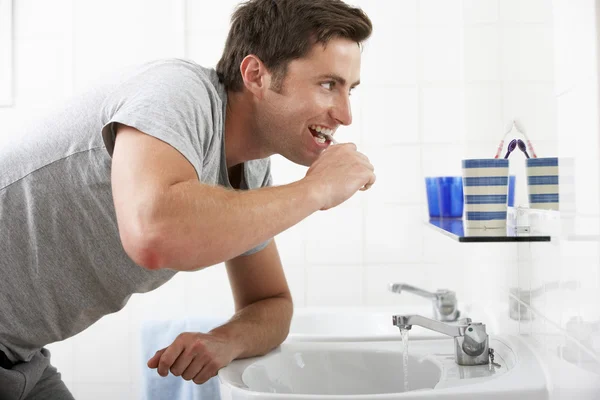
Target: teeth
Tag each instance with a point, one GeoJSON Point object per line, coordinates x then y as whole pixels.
{"type": "Point", "coordinates": [320, 139]}
{"type": "Point", "coordinates": [321, 129]}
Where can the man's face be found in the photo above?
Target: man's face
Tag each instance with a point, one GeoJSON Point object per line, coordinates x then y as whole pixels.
{"type": "Point", "coordinates": [314, 96]}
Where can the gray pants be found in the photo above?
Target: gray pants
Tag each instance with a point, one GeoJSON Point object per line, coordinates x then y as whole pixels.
{"type": "Point", "coordinates": [33, 380]}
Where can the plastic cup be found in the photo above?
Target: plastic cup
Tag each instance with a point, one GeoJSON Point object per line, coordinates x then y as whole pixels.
{"type": "Point", "coordinates": [542, 183]}
{"type": "Point", "coordinates": [485, 186]}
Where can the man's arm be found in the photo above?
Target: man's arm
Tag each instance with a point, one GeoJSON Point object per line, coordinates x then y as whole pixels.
{"type": "Point", "coordinates": [167, 218]}
{"type": "Point", "coordinates": [263, 313]}
{"type": "Point", "coordinates": [263, 303]}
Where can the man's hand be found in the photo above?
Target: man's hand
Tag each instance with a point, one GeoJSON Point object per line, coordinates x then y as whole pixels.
{"type": "Point", "coordinates": [339, 172]}
{"type": "Point", "coordinates": [193, 356]}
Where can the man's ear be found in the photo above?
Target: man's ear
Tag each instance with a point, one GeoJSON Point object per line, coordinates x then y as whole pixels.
{"type": "Point", "coordinates": [255, 75]}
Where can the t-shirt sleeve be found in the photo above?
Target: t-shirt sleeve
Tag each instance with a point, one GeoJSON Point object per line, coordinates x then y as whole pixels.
{"type": "Point", "coordinates": [166, 101]}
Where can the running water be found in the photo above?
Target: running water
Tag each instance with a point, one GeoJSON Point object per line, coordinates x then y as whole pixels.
{"type": "Point", "coordinates": [404, 335]}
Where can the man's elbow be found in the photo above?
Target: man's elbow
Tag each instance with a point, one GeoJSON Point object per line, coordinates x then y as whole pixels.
{"type": "Point", "coordinates": [146, 242]}
{"type": "Point", "coordinates": [156, 249]}
{"type": "Point", "coordinates": [143, 251]}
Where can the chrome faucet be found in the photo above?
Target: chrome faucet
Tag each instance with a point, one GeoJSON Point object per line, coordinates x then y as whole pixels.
{"type": "Point", "coordinates": [519, 300]}
{"type": "Point", "coordinates": [471, 341]}
{"type": "Point", "coordinates": [445, 306]}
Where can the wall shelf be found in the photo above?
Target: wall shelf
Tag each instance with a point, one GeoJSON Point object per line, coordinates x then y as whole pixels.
{"type": "Point", "coordinates": [453, 228]}
{"type": "Point", "coordinates": [526, 225]}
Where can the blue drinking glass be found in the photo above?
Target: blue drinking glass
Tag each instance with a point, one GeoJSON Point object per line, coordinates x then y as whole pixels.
{"type": "Point", "coordinates": [511, 190]}
{"type": "Point", "coordinates": [445, 196]}
{"type": "Point", "coordinates": [431, 186]}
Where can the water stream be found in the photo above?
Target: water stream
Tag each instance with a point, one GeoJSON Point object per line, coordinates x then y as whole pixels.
{"type": "Point", "coordinates": [404, 335]}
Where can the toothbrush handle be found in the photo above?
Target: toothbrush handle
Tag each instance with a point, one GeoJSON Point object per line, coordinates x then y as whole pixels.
{"type": "Point", "coordinates": [499, 151]}
{"type": "Point", "coordinates": [531, 149]}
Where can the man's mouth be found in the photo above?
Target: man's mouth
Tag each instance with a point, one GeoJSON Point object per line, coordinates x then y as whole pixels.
{"type": "Point", "coordinates": [319, 133]}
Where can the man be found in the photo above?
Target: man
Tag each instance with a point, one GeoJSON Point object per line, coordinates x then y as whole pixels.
{"type": "Point", "coordinates": [166, 169]}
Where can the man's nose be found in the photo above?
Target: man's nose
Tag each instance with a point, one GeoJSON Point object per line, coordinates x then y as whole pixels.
{"type": "Point", "coordinates": [342, 110]}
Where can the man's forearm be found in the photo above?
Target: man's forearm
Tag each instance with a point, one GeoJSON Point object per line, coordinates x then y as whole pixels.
{"type": "Point", "coordinates": [258, 328]}
{"type": "Point", "coordinates": [195, 225]}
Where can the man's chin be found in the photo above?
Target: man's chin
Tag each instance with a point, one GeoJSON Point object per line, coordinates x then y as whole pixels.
{"type": "Point", "coordinates": [305, 160]}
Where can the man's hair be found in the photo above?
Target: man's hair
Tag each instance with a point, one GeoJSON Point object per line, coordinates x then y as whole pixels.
{"type": "Point", "coordinates": [279, 31]}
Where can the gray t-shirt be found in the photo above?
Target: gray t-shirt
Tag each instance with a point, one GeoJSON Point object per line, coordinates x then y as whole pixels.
{"type": "Point", "coordinates": [62, 265]}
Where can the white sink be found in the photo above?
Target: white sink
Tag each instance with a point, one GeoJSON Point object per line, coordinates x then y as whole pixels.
{"type": "Point", "coordinates": [374, 370]}
{"type": "Point", "coordinates": [337, 324]}
{"type": "Point", "coordinates": [297, 369]}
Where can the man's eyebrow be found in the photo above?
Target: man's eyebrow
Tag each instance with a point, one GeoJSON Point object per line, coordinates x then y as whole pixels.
{"type": "Point", "coordinates": [338, 79]}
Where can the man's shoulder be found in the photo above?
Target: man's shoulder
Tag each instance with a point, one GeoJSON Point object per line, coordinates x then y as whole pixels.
{"type": "Point", "coordinates": [173, 68]}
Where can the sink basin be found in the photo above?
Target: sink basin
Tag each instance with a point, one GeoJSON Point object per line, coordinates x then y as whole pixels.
{"type": "Point", "coordinates": [374, 370]}
{"type": "Point", "coordinates": [298, 369]}
{"type": "Point", "coordinates": [335, 324]}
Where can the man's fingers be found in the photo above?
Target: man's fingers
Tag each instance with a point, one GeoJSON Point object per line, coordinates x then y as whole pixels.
{"type": "Point", "coordinates": [363, 157]}
{"type": "Point", "coordinates": [369, 183]}
{"type": "Point", "coordinates": [167, 359]}
{"type": "Point", "coordinates": [153, 362]}
{"type": "Point", "coordinates": [348, 144]}
{"type": "Point", "coordinates": [185, 361]}
{"type": "Point", "coordinates": [208, 371]}
{"type": "Point", "coordinates": [194, 368]}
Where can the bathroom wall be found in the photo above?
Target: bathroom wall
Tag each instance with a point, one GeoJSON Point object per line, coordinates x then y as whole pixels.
{"type": "Point", "coordinates": [440, 81]}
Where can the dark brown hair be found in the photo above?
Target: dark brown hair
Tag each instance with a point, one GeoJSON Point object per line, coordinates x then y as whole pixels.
{"type": "Point", "coordinates": [279, 31]}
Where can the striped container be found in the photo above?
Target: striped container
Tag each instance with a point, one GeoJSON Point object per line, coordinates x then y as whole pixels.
{"type": "Point", "coordinates": [485, 187]}
{"type": "Point", "coordinates": [542, 183]}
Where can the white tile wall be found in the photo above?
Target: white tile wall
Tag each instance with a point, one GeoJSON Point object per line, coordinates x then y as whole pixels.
{"type": "Point", "coordinates": [534, 105]}
{"type": "Point", "coordinates": [441, 49]}
{"type": "Point", "coordinates": [29, 25]}
{"type": "Point", "coordinates": [335, 237]}
{"type": "Point", "coordinates": [482, 52]}
{"type": "Point", "coordinates": [480, 11]}
{"type": "Point", "coordinates": [440, 12]}
{"type": "Point", "coordinates": [527, 52]}
{"type": "Point", "coordinates": [390, 62]}
{"type": "Point", "coordinates": [390, 114]}
{"type": "Point", "coordinates": [440, 80]}
{"type": "Point", "coordinates": [339, 285]}
{"type": "Point", "coordinates": [530, 11]}
{"type": "Point", "coordinates": [395, 184]}
{"type": "Point", "coordinates": [114, 34]}
{"type": "Point", "coordinates": [483, 101]}
{"type": "Point", "coordinates": [443, 114]}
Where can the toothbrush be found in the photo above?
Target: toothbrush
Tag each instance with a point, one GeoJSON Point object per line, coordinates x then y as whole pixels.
{"type": "Point", "coordinates": [523, 148]}
{"type": "Point", "coordinates": [507, 130]}
{"type": "Point", "coordinates": [521, 130]}
{"type": "Point", "coordinates": [329, 137]}
{"type": "Point", "coordinates": [511, 146]}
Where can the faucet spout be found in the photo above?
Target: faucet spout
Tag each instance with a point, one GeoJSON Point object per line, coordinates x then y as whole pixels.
{"type": "Point", "coordinates": [403, 287]}
{"type": "Point", "coordinates": [407, 321]}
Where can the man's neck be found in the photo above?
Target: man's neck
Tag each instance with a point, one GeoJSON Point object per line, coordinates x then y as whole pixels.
{"type": "Point", "coordinates": [241, 142]}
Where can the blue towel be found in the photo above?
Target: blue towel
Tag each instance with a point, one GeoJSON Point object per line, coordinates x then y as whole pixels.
{"type": "Point", "coordinates": [156, 335]}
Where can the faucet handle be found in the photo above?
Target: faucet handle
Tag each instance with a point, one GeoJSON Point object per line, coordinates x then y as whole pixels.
{"type": "Point", "coordinates": [475, 339]}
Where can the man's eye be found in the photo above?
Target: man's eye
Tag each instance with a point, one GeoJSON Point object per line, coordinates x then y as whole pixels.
{"type": "Point", "coordinates": [327, 85]}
